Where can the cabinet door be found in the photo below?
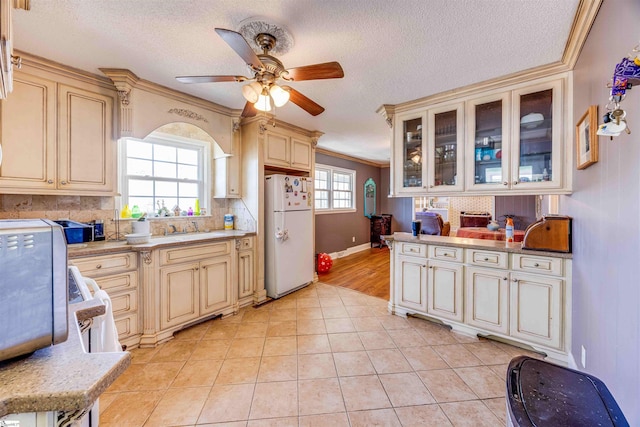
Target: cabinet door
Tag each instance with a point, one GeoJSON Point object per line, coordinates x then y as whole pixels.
{"type": "Point", "coordinates": [227, 177]}
{"type": "Point", "coordinates": [409, 158]}
{"type": "Point", "coordinates": [536, 309]}
{"type": "Point", "coordinates": [411, 275]}
{"type": "Point", "coordinates": [215, 284]}
{"type": "Point", "coordinates": [445, 144]}
{"type": "Point", "coordinates": [28, 125]}
{"type": "Point", "coordinates": [487, 299]}
{"type": "Point", "coordinates": [301, 154]}
{"type": "Point", "coordinates": [245, 274]}
{"type": "Point", "coordinates": [86, 148]}
{"type": "Point", "coordinates": [179, 294]}
{"type": "Point", "coordinates": [276, 150]}
{"type": "Point", "coordinates": [488, 143]}
{"type": "Point", "coordinates": [444, 290]}
{"type": "Point", "coordinates": [537, 151]}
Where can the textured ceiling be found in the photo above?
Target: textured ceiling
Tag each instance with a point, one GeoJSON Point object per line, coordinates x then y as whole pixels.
{"type": "Point", "coordinates": [391, 51]}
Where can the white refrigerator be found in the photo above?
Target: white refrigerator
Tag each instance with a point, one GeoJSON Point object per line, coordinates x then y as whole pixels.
{"type": "Point", "coordinates": [288, 234]}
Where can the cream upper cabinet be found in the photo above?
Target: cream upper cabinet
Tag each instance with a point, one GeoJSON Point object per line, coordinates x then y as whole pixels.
{"type": "Point", "coordinates": [509, 139]}
{"type": "Point", "coordinates": [57, 139]}
{"type": "Point", "coordinates": [28, 126]}
{"type": "Point", "coordinates": [6, 48]}
{"type": "Point", "coordinates": [86, 146]}
{"type": "Point", "coordinates": [287, 151]}
{"type": "Point", "coordinates": [227, 173]}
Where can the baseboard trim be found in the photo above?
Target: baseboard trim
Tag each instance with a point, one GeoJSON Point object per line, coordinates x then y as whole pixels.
{"type": "Point", "coordinates": [350, 251]}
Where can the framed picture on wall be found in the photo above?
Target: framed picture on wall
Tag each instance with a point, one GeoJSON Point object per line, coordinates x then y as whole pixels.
{"type": "Point", "coordinates": [586, 138]}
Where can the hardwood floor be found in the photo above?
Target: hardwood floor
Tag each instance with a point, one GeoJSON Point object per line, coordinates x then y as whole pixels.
{"type": "Point", "coordinates": [365, 271]}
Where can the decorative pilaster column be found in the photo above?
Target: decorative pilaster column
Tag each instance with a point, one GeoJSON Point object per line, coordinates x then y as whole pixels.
{"type": "Point", "coordinates": [124, 81]}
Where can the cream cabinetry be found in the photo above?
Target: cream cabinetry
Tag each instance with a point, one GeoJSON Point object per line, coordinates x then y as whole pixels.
{"type": "Point", "coordinates": [6, 48]}
{"type": "Point", "coordinates": [509, 139]}
{"type": "Point", "coordinates": [227, 172]}
{"type": "Point", "coordinates": [287, 151]}
{"type": "Point", "coordinates": [521, 297]}
{"type": "Point", "coordinates": [246, 271]}
{"type": "Point", "coordinates": [68, 133]}
{"type": "Point", "coordinates": [117, 274]}
{"type": "Point", "coordinates": [195, 282]}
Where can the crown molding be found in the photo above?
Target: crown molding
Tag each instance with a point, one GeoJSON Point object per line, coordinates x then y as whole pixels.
{"type": "Point", "coordinates": [351, 158]}
{"type": "Point", "coordinates": [268, 121]}
{"type": "Point", "coordinates": [584, 18]}
{"type": "Point", "coordinates": [22, 4]}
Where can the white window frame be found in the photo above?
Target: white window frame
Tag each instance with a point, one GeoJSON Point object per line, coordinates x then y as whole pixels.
{"type": "Point", "coordinates": [204, 159]}
{"type": "Point", "coordinates": [331, 170]}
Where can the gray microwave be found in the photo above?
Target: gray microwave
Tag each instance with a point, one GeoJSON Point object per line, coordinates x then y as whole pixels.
{"type": "Point", "coordinates": [33, 286]}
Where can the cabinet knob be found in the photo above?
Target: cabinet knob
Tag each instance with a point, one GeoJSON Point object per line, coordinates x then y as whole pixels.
{"type": "Point", "coordinates": [98, 267]}
{"type": "Point", "coordinates": [49, 181]}
{"type": "Point", "coordinates": [486, 259]}
{"type": "Point", "coordinates": [63, 182]}
{"type": "Point", "coordinates": [515, 182]}
{"type": "Point", "coordinates": [514, 280]}
{"type": "Point", "coordinates": [197, 268]}
{"type": "Point", "coordinates": [431, 266]}
{"type": "Point", "coordinates": [536, 265]}
{"type": "Point", "coordinates": [504, 278]}
{"type": "Point", "coordinates": [505, 183]}
{"type": "Point", "coordinates": [431, 186]}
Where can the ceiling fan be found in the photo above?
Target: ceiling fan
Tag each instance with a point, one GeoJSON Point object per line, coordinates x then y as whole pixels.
{"type": "Point", "coordinates": [267, 70]}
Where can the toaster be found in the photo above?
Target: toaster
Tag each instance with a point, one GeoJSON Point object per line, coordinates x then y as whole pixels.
{"type": "Point", "coordinates": [551, 233]}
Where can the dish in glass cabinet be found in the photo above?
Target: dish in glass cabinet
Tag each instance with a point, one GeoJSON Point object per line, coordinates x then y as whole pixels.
{"type": "Point", "coordinates": [532, 120]}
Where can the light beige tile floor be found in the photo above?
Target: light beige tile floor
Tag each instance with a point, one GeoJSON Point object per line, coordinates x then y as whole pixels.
{"type": "Point", "coordinates": [322, 356]}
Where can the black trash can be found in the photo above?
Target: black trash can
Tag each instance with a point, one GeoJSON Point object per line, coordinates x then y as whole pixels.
{"type": "Point", "coordinates": [542, 394]}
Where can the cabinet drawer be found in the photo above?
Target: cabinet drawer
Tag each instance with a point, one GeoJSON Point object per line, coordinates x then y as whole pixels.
{"type": "Point", "coordinates": [125, 302]}
{"type": "Point", "coordinates": [537, 264]}
{"type": "Point", "coordinates": [127, 325]}
{"type": "Point", "coordinates": [118, 282]}
{"type": "Point", "coordinates": [106, 264]}
{"type": "Point", "coordinates": [487, 258]}
{"type": "Point", "coordinates": [446, 253]}
{"type": "Point", "coordinates": [188, 253]}
{"type": "Point", "coordinates": [413, 249]}
{"type": "Point", "coordinates": [246, 243]}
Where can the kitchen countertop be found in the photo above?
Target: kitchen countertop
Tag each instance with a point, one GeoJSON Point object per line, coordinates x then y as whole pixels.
{"type": "Point", "coordinates": [109, 246]}
{"type": "Point", "coordinates": [61, 377]}
{"type": "Point", "coordinates": [463, 242]}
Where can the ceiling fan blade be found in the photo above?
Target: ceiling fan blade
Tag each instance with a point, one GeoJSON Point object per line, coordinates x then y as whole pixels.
{"type": "Point", "coordinates": [210, 79]}
{"type": "Point", "coordinates": [249, 110]}
{"type": "Point", "coordinates": [241, 47]}
{"type": "Point", "coordinates": [303, 102]}
{"type": "Point", "coordinates": [328, 70]}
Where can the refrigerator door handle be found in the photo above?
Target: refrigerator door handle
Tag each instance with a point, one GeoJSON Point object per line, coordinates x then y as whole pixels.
{"type": "Point", "coordinates": [282, 235]}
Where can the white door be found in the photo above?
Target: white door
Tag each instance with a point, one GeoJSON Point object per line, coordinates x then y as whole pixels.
{"type": "Point", "coordinates": [487, 299]}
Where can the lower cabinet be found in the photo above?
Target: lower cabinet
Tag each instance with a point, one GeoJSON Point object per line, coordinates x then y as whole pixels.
{"type": "Point", "coordinates": [522, 297]}
{"type": "Point", "coordinates": [411, 274]}
{"type": "Point", "coordinates": [117, 274]}
{"type": "Point", "coordinates": [246, 271]}
{"type": "Point", "coordinates": [444, 290]}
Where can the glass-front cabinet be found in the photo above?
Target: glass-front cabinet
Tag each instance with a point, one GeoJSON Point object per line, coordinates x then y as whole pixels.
{"type": "Point", "coordinates": [488, 142]}
{"type": "Point", "coordinates": [410, 149]}
{"type": "Point", "coordinates": [445, 144]}
{"type": "Point", "coordinates": [515, 139]}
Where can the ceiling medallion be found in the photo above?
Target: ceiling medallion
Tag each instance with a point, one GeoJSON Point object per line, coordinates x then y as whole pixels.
{"type": "Point", "coordinates": [250, 28]}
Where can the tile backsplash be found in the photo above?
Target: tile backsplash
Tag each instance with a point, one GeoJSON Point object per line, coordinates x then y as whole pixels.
{"type": "Point", "coordinates": [89, 208]}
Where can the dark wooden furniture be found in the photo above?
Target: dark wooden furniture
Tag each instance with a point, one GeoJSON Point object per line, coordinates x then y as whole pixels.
{"type": "Point", "coordinates": [380, 225]}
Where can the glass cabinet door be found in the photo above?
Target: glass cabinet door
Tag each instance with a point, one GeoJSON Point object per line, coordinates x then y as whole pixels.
{"type": "Point", "coordinates": [488, 143]}
{"type": "Point", "coordinates": [410, 158]}
{"type": "Point", "coordinates": [536, 151]}
{"type": "Point", "coordinates": [445, 147]}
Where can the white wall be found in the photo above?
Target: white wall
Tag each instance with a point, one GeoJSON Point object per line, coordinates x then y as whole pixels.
{"type": "Point", "coordinates": [606, 210]}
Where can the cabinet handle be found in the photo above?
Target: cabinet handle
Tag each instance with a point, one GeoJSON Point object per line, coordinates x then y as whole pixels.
{"type": "Point", "coordinates": [98, 267]}
{"type": "Point", "coordinates": [63, 182]}
{"type": "Point", "coordinates": [49, 181]}
{"type": "Point", "coordinates": [505, 183]}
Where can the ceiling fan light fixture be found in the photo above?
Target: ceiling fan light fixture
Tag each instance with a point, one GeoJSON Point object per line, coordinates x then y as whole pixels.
{"type": "Point", "coordinates": [252, 91]}
{"type": "Point", "coordinates": [280, 96]}
{"type": "Point", "coordinates": [264, 101]}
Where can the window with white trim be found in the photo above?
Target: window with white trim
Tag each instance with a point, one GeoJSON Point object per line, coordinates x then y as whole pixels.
{"type": "Point", "coordinates": [164, 170]}
{"type": "Point", "coordinates": [334, 189]}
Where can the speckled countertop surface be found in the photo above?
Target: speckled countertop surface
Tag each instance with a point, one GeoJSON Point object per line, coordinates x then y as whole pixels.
{"type": "Point", "coordinates": [61, 377]}
{"type": "Point", "coordinates": [464, 242]}
{"type": "Point", "coordinates": [99, 248]}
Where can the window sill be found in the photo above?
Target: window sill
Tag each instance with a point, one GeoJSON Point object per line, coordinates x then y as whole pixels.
{"type": "Point", "coordinates": [334, 211]}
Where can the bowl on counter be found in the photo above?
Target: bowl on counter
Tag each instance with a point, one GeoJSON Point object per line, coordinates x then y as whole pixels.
{"type": "Point", "coordinates": [137, 238]}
